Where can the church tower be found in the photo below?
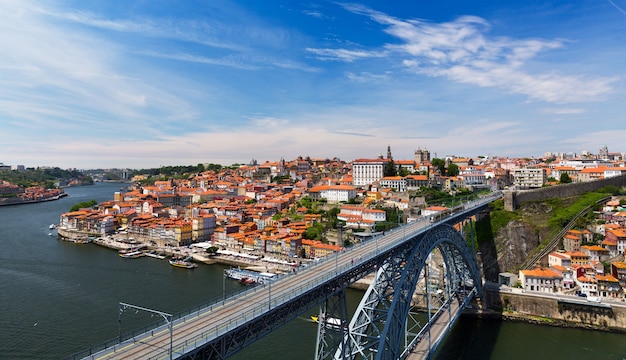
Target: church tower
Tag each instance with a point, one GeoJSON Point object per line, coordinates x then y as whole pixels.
{"type": "Point", "coordinates": [422, 156]}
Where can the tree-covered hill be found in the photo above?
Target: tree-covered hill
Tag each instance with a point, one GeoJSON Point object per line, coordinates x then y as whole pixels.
{"type": "Point", "coordinates": [46, 177]}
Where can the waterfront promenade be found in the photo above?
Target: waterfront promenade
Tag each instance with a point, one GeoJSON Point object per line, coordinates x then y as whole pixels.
{"type": "Point", "coordinates": [230, 257]}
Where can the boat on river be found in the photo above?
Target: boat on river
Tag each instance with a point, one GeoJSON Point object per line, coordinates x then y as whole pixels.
{"type": "Point", "coordinates": [183, 263]}
{"type": "Point", "coordinates": [332, 323]}
{"type": "Point", "coordinates": [154, 254]}
{"type": "Point", "coordinates": [248, 277]}
{"type": "Point", "coordinates": [132, 254]}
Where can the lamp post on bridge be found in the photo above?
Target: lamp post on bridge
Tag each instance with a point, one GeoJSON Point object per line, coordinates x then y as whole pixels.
{"type": "Point", "coordinates": [166, 316]}
{"type": "Point", "coordinates": [224, 286]}
{"type": "Point", "coordinates": [339, 228]}
{"type": "Point", "coordinates": [269, 294]}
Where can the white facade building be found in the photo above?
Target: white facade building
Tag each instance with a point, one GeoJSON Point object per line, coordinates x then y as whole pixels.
{"type": "Point", "coordinates": [337, 193]}
{"type": "Point", "coordinates": [542, 280]}
{"type": "Point", "coordinates": [398, 183]}
{"type": "Point", "coordinates": [367, 171]}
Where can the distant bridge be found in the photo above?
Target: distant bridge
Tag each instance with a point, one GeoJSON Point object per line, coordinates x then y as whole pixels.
{"type": "Point", "coordinates": [424, 265]}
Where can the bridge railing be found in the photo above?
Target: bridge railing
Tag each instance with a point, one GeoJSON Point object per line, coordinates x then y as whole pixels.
{"type": "Point", "coordinates": [344, 261]}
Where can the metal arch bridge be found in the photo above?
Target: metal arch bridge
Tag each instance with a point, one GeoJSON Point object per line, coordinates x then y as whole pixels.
{"type": "Point", "coordinates": [384, 326]}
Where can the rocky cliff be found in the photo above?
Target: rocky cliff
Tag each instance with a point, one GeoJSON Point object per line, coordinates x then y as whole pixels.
{"type": "Point", "coordinates": [516, 241]}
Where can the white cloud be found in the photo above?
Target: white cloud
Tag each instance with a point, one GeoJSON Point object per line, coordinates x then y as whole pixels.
{"type": "Point", "coordinates": [462, 51]}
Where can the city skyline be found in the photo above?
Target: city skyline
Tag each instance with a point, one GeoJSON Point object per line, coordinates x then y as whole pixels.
{"type": "Point", "coordinates": [138, 85]}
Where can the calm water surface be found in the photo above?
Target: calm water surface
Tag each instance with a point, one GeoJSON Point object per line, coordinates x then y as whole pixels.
{"type": "Point", "coordinates": [58, 298]}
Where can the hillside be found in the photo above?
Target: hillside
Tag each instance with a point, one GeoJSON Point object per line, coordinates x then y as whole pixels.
{"type": "Point", "coordinates": [507, 238]}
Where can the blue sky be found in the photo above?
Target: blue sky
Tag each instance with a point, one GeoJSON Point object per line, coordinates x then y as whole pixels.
{"type": "Point", "coordinates": [140, 84]}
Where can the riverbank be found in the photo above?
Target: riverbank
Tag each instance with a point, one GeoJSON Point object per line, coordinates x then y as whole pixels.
{"type": "Point", "coordinates": [540, 309]}
{"type": "Point", "coordinates": [125, 243]}
{"type": "Point", "coordinates": [20, 201]}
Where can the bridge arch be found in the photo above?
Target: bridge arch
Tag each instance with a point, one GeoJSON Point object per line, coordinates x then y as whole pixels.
{"type": "Point", "coordinates": [380, 321]}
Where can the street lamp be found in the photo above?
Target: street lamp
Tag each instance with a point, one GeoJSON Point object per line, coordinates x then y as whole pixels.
{"type": "Point", "coordinates": [339, 228]}
{"type": "Point", "coordinates": [269, 294]}
{"type": "Point", "coordinates": [166, 316]}
{"type": "Point", "coordinates": [224, 286]}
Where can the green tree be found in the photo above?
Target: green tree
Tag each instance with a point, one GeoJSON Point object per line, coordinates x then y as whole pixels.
{"type": "Point", "coordinates": [453, 170]}
{"type": "Point", "coordinates": [439, 164]}
{"type": "Point", "coordinates": [84, 205]}
{"type": "Point", "coordinates": [390, 169]}
{"type": "Point", "coordinates": [565, 179]}
{"type": "Point", "coordinates": [315, 232]}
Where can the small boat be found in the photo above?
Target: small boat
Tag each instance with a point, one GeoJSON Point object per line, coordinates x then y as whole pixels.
{"type": "Point", "coordinates": [132, 254]}
{"type": "Point", "coordinates": [52, 226]}
{"type": "Point", "coordinates": [183, 263]}
{"type": "Point", "coordinates": [49, 234]}
{"type": "Point", "coordinates": [251, 277]}
{"type": "Point", "coordinates": [332, 323]}
{"type": "Point", "coordinates": [155, 255]}
{"type": "Point", "coordinates": [246, 281]}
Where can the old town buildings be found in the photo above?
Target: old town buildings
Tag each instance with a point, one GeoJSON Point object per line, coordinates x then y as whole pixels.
{"type": "Point", "coordinates": [257, 206]}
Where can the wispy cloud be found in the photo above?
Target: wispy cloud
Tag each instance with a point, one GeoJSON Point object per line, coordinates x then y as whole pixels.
{"type": "Point", "coordinates": [194, 31]}
{"type": "Point", "coordinates": [462, 51]}
{"type": "Point", "coordinates": [268, 123]}
{"type": "Point", "coordinates": [345, 54]}
{"type": "Point", "coordinates": [617, 7]}
{"type": "Point", "coordinates": [565, 111]}
{"type": "Point", "coordinates": [592, 140]}
{"type": "Point", "coordinates": [229, 61]}
{"type": "Point", "coordinates": [313, 13]}
{"type": "Point", "coordinates": [352, 133]}
{"type": "Point", "coordinates": [366, 77]}
{"type": "Point", "coordinates": [54, 75]}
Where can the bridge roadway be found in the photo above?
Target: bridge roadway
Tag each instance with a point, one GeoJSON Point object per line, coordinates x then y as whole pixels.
{"type": "Point", "coordinates": [435, 332]}
{"type": "Point", "coordinates": [203, 327]}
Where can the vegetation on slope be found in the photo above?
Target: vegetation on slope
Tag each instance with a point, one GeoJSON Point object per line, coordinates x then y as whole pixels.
{"type": "Point", "coordinates": [42, 177]}
{"type": "Point", "coordinates": [545, 219]}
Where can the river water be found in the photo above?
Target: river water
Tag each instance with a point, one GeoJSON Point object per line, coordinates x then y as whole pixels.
{"type": "Point", "coordinates": [58, 298]}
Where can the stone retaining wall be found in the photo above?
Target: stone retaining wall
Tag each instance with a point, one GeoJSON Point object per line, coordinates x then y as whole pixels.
{"type": "Point", "coordinates": [513, 199]}
{"type": "Point", "coordinates": [551, 311]}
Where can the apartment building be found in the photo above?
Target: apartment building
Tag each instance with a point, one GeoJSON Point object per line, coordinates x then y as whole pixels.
{"type": "Point", "coordinates": [529, 178]}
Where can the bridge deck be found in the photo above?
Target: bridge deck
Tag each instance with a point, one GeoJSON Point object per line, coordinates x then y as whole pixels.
{"type": "Point", "coordinates": [438, 329]}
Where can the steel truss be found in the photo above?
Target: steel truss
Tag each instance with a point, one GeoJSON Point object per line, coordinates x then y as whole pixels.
{"type": "Point", "coordinates": [225, 346]}
{"type": "Point", "coordinates": [385, 324]}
